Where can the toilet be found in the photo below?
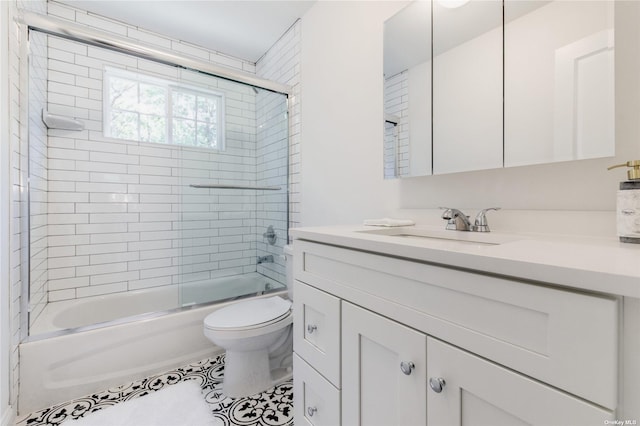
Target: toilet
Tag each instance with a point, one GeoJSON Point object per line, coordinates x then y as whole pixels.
{"type": "Point", "coordinates": [257, 337]}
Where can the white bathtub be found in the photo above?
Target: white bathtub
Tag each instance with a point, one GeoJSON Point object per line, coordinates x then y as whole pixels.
{"type": "Point", "coordinates": [69, 314]}
{"type": "Point", "coordinates": [68, 366]}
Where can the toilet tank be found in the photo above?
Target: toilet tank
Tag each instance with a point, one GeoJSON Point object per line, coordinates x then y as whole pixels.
{"type": "Point", "coordinates": [288, 258]}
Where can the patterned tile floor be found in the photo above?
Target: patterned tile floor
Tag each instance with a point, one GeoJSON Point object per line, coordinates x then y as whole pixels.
{"type": "Point", "coordinates": [274, 407]}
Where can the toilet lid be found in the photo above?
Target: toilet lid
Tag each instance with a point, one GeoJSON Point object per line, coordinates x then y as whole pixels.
{"type": "Point", "coordinates": [248, 313]}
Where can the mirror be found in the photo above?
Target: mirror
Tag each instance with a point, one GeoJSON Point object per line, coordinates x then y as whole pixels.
{"type": "Point", "coordinates": [514, 83]}
{"type": "Point", "coordinates": [407, 92]}
{"type": "Point", "coordinates": [559, 81]}
{"type": "Point", "coordinates": [467, 85]}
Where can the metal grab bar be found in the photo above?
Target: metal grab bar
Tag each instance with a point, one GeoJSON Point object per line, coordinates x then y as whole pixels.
{"type": "Point", "coordinates": [221, 186]}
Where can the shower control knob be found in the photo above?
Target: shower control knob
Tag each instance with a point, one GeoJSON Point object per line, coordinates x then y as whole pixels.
{"type": "Point", "coordinates": [311, 328]}
{"type": "Point", "coordinates": [311, 411]}
{"type": "Point", "coordinates": [407, 367]}
{"type": "Point", "coordinates": [437, 384]}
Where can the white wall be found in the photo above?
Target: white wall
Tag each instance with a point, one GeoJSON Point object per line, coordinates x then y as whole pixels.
{"type": "Point", "coordinates": [342, 135]}
{"type": "Point", "coordinates": [342, 112]}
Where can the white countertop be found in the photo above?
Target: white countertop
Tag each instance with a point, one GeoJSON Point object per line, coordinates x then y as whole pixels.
{"type": "Point", "coordinates": [593, 264]}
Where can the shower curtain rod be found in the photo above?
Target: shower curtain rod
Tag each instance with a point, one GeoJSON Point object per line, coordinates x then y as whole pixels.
{"type": "Point", "coordinates": [72, 31]}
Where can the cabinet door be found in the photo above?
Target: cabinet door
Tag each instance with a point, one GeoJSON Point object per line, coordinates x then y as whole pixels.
{"type": "Point", "coordinates": [375, 389]}
{"type": "Point", "coordinates": [478, 392]}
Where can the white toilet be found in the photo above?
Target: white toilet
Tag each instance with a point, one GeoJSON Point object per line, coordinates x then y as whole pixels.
{"type": "Point", "coordinates": [257, 337]}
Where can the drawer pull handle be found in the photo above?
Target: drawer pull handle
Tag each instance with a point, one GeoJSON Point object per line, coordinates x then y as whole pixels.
{"type": "Point", "coordinates": [311, 411]}
{"type": "Point", "coordinates": [407, 367]}
{"type": "Point", "coordinates": [437, 384]}
{"type": "Point", "coordinates": [311, 328]}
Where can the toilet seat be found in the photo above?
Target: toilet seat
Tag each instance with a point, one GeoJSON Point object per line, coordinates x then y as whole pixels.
{"type": "Point", "coordinates": [249, 315]}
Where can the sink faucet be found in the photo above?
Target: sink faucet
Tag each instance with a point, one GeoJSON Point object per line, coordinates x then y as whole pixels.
{"type": "Point", "coordinates": [458, 221]}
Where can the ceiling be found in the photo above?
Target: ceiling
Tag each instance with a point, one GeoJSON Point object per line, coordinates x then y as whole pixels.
{"type": "Point", "coordinates": [239, 28]}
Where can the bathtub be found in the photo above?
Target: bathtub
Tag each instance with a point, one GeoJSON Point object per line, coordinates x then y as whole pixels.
{"type": "Point", "coordinates": [88, 311]}
{"type": "Point", "coordinates": [61, 365]}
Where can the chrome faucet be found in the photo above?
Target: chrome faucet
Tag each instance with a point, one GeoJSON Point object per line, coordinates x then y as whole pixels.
{"type": "Point", "coordinates": [458, 221]}
{"type": "Point", "coordinates": [270, 235]}
{"type": "Point", "coordinates": [481, 224]}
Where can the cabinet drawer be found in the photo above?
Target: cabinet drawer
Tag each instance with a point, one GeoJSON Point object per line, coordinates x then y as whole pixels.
{"type": "Point", "coordinates": [567, 339]}
{"type": "Point", "coordinates": [477, 391]}
{"type": "Point", "coordinates": [317, 400]}
{"type": "Point", "coordinates": [316, 330]}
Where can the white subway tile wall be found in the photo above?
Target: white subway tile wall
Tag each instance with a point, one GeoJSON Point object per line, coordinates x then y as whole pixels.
{"type": "Point", "coordinates": [282, 64]}
{"type": "Point", "coordinates": [38, 197]}
{"type": "Point", "coordinates": [122, 215]}
{"type": "Point", "coordinates": [396, 136]}
{"type": "Point", "coordinates": [127, 206]}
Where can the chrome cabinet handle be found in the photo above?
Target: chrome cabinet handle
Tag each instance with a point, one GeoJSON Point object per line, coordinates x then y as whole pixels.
{"type": "Point", "coordinates": [407, 367]}
{"type": "Point", "coordinates": [311, 411]}
{"type": "Point", "coordinates": [437, 384]}
{"type": "Point", "coordinates": [311, 328]}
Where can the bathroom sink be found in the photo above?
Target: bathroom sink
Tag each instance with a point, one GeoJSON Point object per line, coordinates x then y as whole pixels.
{"type": "Point", "coordinates": [475, 238]}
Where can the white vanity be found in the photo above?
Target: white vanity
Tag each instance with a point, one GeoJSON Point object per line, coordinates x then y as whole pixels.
{"type": "Point", "coordinates": [421, 326]}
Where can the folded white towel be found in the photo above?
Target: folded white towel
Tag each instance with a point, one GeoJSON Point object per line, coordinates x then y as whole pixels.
{"type": "Point", "coordinates": [389, 222]}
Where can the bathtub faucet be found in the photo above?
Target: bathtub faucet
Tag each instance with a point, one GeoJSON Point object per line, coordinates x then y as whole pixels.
{"type": "Point", "coordinates": [265, 259]}
{"type": "Point", "coordinates": [270, 235]}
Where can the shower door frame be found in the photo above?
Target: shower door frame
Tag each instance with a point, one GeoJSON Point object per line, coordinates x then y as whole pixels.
{"type": "Point", "coordinates": [30, 21]}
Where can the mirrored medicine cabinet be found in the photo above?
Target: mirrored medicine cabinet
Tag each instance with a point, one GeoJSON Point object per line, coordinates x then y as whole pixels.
{"type": "Point", "coordinates": [484, 84]}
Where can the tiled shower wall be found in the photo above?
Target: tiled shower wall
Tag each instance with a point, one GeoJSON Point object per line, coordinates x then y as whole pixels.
{"type": "Point", "coordinates": [38, 196]}
{"type": "Point", "coordinates": [282, 64]}
{"type": "Point", "coordinates": [396, 136]}
{"type": "Point", "coordinates": [121, 216]}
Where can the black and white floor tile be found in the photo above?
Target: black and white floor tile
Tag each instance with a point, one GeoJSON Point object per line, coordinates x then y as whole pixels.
{"type": "Point", "coordinates": [274, 407]}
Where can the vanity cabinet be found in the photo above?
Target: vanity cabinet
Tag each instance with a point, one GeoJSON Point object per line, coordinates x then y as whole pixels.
{"type": "Point", "coordinates": [507, 350]}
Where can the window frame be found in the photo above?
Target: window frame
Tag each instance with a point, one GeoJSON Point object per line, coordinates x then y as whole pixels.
{"type": "Point", "coordinates": [170, 87]}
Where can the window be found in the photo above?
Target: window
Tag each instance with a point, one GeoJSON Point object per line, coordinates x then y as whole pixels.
{"type": "Point", "coordinates": [147, 109]}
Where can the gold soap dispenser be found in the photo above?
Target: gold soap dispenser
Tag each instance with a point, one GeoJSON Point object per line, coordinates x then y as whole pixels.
{"type": "Point", "coordinates": [628, 204]}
